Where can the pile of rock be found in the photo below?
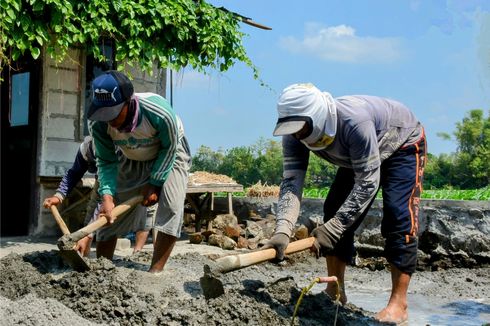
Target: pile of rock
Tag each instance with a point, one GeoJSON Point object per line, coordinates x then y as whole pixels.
{"type": "Point", "coordinates": [227, 232]}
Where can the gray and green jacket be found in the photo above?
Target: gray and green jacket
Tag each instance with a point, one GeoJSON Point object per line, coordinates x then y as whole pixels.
{"type": "Point", "coordinates": [155, 138]}
{"type": "Point", "coordinates": [369, 130]}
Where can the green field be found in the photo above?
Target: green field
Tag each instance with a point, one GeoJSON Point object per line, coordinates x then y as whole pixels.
{"type": "Point", "coordinates": [448, 194]}
{"type": "Point", "coordinates": [443, 194]}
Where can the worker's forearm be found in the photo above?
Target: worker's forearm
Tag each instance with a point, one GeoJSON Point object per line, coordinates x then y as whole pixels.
{"type": "Point", "coordinates": [289, 204]}
{"type": "Point", "coordinates": [364, 190]}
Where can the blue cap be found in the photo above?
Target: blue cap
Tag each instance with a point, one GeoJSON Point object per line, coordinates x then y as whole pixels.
{"type": "Point", "coordinates": [109, 93]}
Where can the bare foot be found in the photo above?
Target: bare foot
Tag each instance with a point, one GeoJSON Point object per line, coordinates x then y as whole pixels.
{"type": "Point", "coordinates": [394, 314]}
{"type": "Point", "coordinates": [331, 291]}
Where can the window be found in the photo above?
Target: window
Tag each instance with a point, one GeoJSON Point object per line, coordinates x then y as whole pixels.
{"type": "Point", "coordinates": [19, 108]}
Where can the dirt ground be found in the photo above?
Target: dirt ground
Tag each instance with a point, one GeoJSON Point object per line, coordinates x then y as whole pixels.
{"type": "Point", "coordinates": [37, 288]}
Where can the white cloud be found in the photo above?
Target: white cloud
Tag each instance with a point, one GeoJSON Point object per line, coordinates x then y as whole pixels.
{"type": "Point", "coordinates": [341, 44]}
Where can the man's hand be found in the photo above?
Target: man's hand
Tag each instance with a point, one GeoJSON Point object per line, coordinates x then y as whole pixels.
{"type": "Point", "coordinates": [83, 246]}
{"type": "Point", "coordinates": [50, 201]}
{"type": "Point", "coordinates": [106, 208]}
{"type": "Point", "coordinates": [324, 241]}
{"type": "Point", "coordinates": [279, 242]}
{"type": "Point", "coordinates": [150, 193]}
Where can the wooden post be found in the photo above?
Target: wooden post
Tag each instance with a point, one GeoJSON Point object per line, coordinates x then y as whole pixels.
{"type": "Point", "coordinates": [230, 203]}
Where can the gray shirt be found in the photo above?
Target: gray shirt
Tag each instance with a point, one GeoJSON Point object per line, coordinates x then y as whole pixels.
{"type": "Point", "coordinates": [369, 130]}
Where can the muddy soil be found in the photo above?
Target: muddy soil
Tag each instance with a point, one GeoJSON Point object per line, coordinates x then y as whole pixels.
{"type": "Point", "coordinates": [37, 288]}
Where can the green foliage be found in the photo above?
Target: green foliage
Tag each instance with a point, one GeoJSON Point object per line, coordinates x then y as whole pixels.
{"type": "Point", "coordinates": [239, 163]}
{"type": "Point", "coordinates": [469, 167]}
{"type": "Point", "coordinates": [247, 164]}
{"type": "Point", "coordinates": [315, 192]}
{"type": "Point", "coordinates": [447, 194]}
{"type": "Point", "coordinates": [439, 171]}
{"type": "Point", "coordinates": [260, 162]}
{"type": "Point", "coordinates": [269, 161]}
{"type": "Point", "coordinates": [206, 159]}
{"type": "Point", "coordinates": [173, 33]}
{"type": "Point", "coordinates": [443, 179]}
{"type": "Point", "coordinates": [455, 194]}
{"type": "Point", "coordinates": [473, 156]}
{"type": "Point", "coordinates": [320, 173]}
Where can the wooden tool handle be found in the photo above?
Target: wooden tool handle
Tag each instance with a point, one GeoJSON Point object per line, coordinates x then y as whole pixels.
{"type": "Point", "coordinates": [100, 222]}
{"type": "Point", "coordinates": [230, 263]}
{"type": "Point", "coordinates": [59, 220]}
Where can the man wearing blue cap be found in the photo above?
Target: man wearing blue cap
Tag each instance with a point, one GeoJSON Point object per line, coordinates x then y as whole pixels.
{"type": "Point", "coordinates": [375, 142]}
{"type": "Point", "coordinates": [144, 127]}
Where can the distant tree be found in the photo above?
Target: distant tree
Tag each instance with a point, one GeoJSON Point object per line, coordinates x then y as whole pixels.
{"type": "Point", "coordinates": [269, 161]}
{"type": "Point", "coordinates": [206, 159]}
{"type": "Point", "coordinates": [469, 167]}
{"type": "Point", "coordinates": [473, 156]}
{"type": "Point", "coordinates": [439, 172]}
{"type": "Point", "coordinates": [320, 173]}
{"type": "Point", "coordinates": [239, 163]}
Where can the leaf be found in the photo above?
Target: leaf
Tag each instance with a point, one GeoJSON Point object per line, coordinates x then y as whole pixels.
{"type": "Point", "coordinates": [16, 5]}
{"type": "Point", "coordinates": [11, 13]}
{"type": "Point", "coordinates": [38, 6]}
{"type": "Point", "coordinates": [35, 52]}
{"type": "Point", "coordinates": [16, 54]}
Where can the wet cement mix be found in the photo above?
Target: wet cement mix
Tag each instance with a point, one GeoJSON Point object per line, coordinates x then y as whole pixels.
{"type": "Point", "coordinates": [39, 289]}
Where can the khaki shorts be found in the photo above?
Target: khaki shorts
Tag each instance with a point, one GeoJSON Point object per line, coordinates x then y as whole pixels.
{"type": "Point", "coordinates": [167, 215]}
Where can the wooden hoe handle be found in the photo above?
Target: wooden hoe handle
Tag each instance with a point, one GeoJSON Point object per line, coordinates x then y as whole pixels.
{"type": "Point", "coordinates": [100, 222]}
{"type": "Point", "coordinates": [59, 220]}
{"type": "Point", "coordinates": [230, 263]}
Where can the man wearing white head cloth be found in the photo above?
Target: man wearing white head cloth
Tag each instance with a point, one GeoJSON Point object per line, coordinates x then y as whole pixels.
{"type": "Point", "coordinates": [375, 142]}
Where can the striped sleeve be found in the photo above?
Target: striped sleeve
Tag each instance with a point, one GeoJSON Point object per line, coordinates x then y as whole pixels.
{"type": "Point", "coordinates": [163, 119]}
{"type": "Point", "coordinates": [106, 158]}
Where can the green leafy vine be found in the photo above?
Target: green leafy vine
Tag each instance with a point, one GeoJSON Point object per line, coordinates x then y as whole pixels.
{"type": "Point", "coordinates": [172, 33]}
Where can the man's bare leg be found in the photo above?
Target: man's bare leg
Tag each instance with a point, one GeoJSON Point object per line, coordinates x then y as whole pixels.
{"type": "Point", "coordinates": [336, 267]}
{"type": "Point", "coordinates": [163, 247]}
{"type": "Point", "coordinates": [141, 237]}
{"type": "Point", "coordinates": [154, 234]}
{"type": "Point", "coordinates": [397, 309]}
{"type": "Point", "coordinates": [106, 248]}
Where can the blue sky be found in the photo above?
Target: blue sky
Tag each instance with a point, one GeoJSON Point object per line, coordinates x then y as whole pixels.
{"type": "Point", "coordinates": [434, 56]}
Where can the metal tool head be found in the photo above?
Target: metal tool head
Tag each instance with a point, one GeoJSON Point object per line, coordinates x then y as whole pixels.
{"type": "Point", "coordinates": [72, 257]}
{"type": "Point", "coordinates": [211, 285]}
{"type": "Point", "coordinates": [75, 260]}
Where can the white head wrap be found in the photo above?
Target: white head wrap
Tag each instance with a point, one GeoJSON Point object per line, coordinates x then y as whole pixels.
{"type": "Point", "coordinates": [305, 100]}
